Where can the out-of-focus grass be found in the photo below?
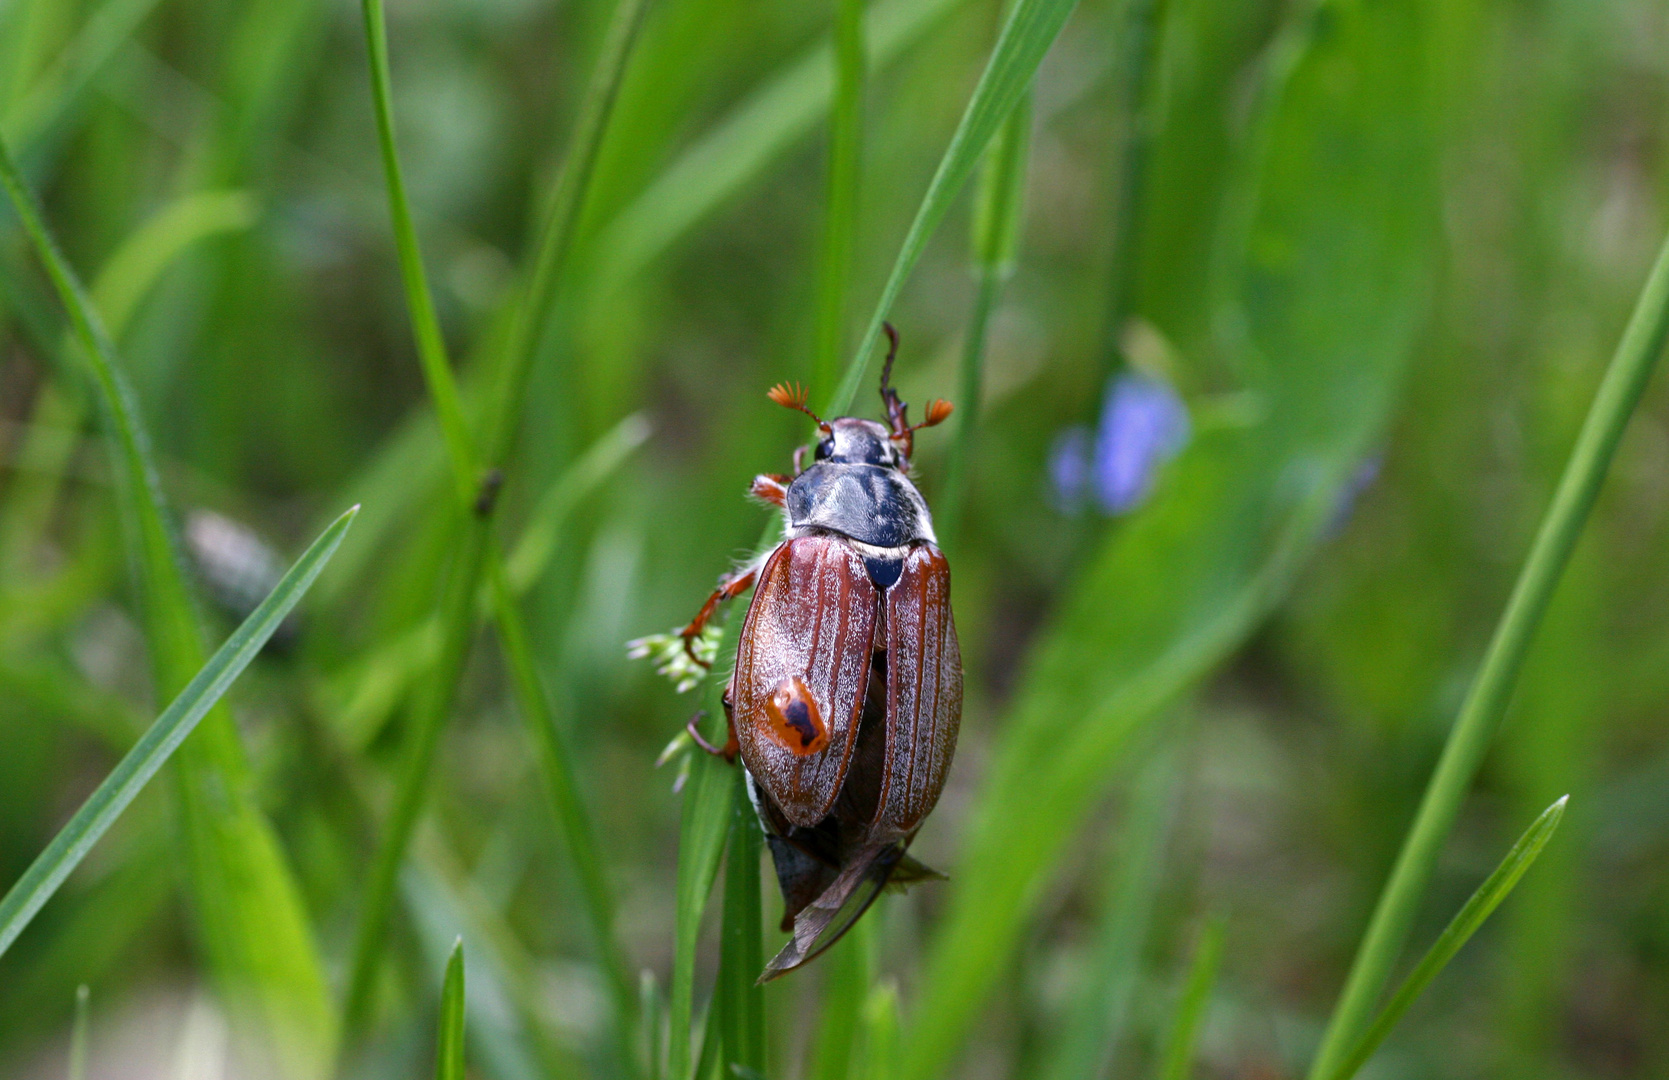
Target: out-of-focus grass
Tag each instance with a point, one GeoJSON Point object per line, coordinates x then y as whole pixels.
{"type": "Point", "coordinates": [1380, 251]}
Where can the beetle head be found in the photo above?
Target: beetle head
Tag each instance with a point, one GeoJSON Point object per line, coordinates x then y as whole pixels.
{"type": "Point", "coordinates": [855, 441]}
{"type": "Point", "coordinates": [850, 440]}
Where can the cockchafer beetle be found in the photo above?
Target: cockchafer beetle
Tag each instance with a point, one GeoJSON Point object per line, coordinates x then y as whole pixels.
{"type": "Point", "coordinates": [847, 692]}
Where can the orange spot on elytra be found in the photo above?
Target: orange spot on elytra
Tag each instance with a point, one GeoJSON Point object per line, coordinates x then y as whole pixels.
{"type": "Point", "coordinates": [794, 720]}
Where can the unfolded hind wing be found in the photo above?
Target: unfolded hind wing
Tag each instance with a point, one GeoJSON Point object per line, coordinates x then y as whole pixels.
{"type": "Point", "coordinates": [802, 664]}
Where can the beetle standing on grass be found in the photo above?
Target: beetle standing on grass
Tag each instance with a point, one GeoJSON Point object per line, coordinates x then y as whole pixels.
{"type": "Point", "coordinates": [847, 692]}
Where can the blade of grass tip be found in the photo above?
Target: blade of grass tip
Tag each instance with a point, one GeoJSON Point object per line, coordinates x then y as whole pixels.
{"type": "Point", "coordinates": [1472, 914]}
{"type": "Point", "coordinates": [651, 1011]}
{"type": "Point", "coordinates": [477, 547]}
{"type": "Point", "coordinates": [1178, 1060]}
{"type": "Point", "coordinates": [500, 1021]}
{"type": "Point", "coordinates": [1030, 29]}
{"type": "Point", "coordinates": [840, 207]}
{"type": "Point", "coordinates": [1101, 1005]}
{"type": "Point", "coordinates": [135, 770]}
{"type": "Point", "coordinates": [449, 1048]}
{"type": "Point", "coordinates": [846, 986]}
{"type": "Point", "coordinates": [998, 210]}
{"type": "Point", "coordinates": [880, 1033]}
{"type": "Point", "coordinates": [411, 784]}
{"type": "Point", "coordinates": [249, 910]}
{"type": "Point", "coordinates": [1480, 714]}
{"type": "Point", "coordinates": [740, 1000]}
{"type": "Point", "coordinates": [78, 1035]}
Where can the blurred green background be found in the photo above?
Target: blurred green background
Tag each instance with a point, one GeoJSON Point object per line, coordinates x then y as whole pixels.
{"type": "Point", "coordinates": [1382, 251]}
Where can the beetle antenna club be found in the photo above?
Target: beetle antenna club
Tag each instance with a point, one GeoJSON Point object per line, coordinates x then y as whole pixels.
{"type": "Point", "coordinates": [793, 396]}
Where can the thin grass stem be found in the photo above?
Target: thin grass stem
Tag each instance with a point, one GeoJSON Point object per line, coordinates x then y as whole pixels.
{"type": "Point", "coordinates": [840, 208]}
{"type": "Point", "coordinates": [1177, 1063]}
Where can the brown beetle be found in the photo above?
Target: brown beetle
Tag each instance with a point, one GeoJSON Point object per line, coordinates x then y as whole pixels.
{"type": "Point", "coordinates": [847, 693]}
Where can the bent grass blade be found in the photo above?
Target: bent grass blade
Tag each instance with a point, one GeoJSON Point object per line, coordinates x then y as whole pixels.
{"type": "Point", "coordinates": [1472, 914]}
{"type": "Point", "coordinates": [135, 770]}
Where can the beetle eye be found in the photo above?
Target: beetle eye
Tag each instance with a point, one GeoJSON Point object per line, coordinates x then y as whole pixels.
{"type": "Point", "coordinates": [824, 449]}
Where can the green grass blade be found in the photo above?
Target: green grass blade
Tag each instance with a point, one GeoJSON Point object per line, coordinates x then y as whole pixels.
{"type": "Point", "coordinates": [1031, 28]}
{"type": "Point", "coordinates": [560, 775]}
{"type": "Point", "coordinates": [1480, 714]}
{"type": "Point", "coordinates": [78, 1036]}
{"type": "Point", "coordinates": [998, 212]}
{"type": "Point", "coordinates": [739, 999]}
{"type": "Point", "coordinates": [750, 138]}
{"type": "Point", "coordinates": [431, 345]}
{"type": "Point", "coordinates": [411, 785]}
{"type": "Point", "coordinates": [710, 794]}
{"type": "Point", "coordinates": [371, 687]}
{"type": "Point", "coordinates": [500, 1013]}
{"type": "Point", "coordinates": [250, 915]}
{"type": "Point", "coordinates": [449, 1046]}
{"type": "Point", "coordinates": [1101, 1005]}
{"type": "Point", "coordinates": [1178, 1060]}
{"type": "Point", "coordinates": [138, 264]}
{"type": "Point", "coordinates": [135, 770]}
{"type": "Point", "coordinates": [840, 206]}
{"type": "Point", "coordinates": [126, 278]}
{"type": "Point", "coordinates": [1472, 914]}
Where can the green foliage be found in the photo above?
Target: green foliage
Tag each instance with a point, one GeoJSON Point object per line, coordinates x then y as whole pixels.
{"type": "Point", "coordinates": [556, 253]}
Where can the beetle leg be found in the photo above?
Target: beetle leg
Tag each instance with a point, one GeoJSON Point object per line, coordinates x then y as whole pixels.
{"type": "Point", "coordinates": [731, 747]}
{"type": "Point", "coordinates": [771, 487]}
{"type": "Point", "coordinates": [730, 587]}
{"type": "Point", "coordinates": [800, 459]}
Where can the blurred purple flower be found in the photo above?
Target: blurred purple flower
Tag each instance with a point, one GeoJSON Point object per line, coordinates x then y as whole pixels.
{"type": "Point", "coordinates": [1143, 425]}
{"type": "Point", "coordinates": [1365, 475]}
